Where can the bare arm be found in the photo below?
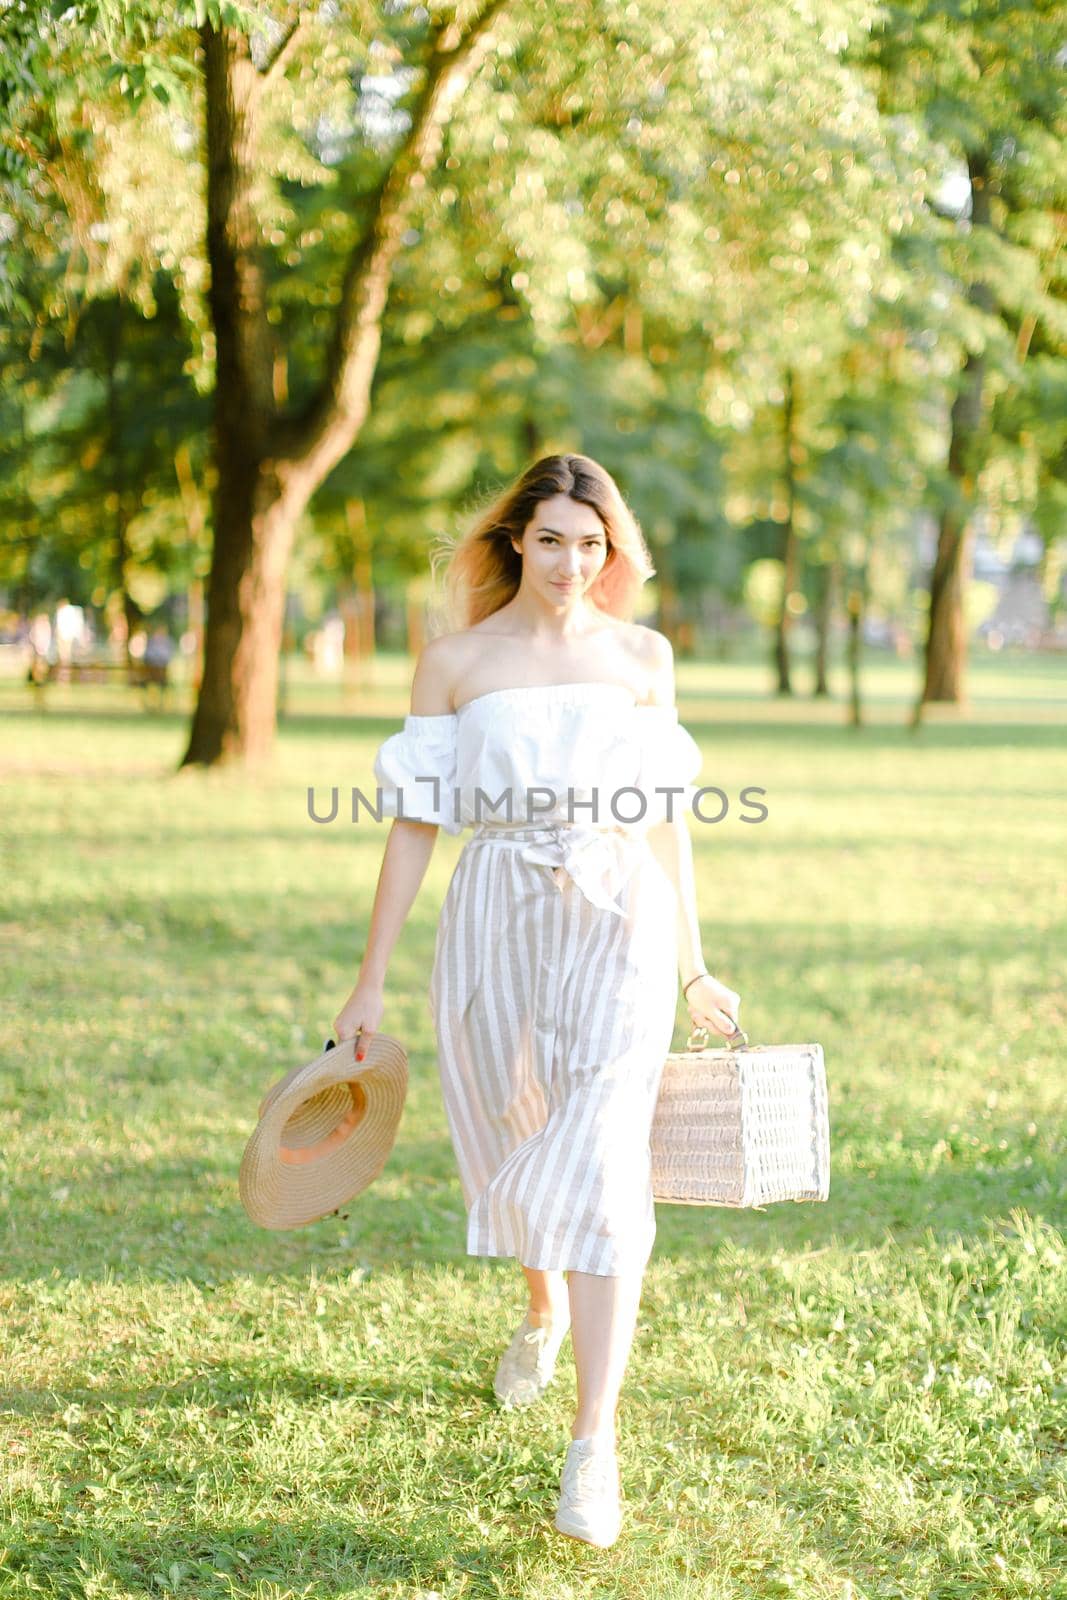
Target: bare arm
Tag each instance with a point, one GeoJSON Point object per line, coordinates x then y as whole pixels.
{"type": "Point", "coordinates": [408, 849]}
{"type": "Point", "coordinates": [673, 849]}
{"type": "Point", "coordinates": [711, 1004]}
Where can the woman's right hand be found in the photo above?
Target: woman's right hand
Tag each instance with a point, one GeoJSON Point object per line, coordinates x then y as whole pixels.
{"type": "Point", "coordinates": [361, 1013]}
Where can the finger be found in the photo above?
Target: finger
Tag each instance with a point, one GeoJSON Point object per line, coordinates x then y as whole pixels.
{"type": "Point", "coordinates": [707, 1019]}
{"type": "Point", "coordinates": [363, 1039]}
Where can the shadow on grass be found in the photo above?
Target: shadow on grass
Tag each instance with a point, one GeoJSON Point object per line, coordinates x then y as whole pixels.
{"type": "Point", "coordinates": [330, 1554]}
{"type": "Point", "coordinates": [892, 1202]}
{"type": "Point", "coordinates": [244, 917]}
{"type": "Point", "coordinates": [453, 1482]}
{"type": "Point", "coordinates": [967, 730]}
{"type": "Point", "coordinates": [147, 1223]}
{"type": "Point", "coordinates": [455, 1369]}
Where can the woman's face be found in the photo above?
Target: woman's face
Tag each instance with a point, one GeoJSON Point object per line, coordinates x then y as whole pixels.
{"type": "Point", "coordinates": [563, 547]}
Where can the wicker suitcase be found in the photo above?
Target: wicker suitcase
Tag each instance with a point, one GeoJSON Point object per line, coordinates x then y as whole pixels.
{"type": "Point", "coordinates": [741, 1125]}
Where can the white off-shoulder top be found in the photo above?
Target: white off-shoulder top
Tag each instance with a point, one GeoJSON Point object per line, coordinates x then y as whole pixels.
{"type": "Point", "coordinates": [552, 747]}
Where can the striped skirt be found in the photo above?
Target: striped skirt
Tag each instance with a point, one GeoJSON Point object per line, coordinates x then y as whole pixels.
{"type": "Point", "coordinates": [553, 995]}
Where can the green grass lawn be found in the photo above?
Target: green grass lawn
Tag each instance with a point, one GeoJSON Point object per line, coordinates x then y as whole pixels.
{"type": "Point", "coordinates": [858, 1399]}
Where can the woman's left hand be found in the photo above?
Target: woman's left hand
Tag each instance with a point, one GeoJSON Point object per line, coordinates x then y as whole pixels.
{"type": "Point", "coordinates": [712, 1005]}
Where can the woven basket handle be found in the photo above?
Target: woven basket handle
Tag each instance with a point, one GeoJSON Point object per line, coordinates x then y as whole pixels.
{"type": "Point", "coordinates": [735, 1040]}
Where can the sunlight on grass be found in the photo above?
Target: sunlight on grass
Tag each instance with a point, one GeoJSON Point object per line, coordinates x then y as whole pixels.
{"type": "Point", "coordinates": [853, 1400]}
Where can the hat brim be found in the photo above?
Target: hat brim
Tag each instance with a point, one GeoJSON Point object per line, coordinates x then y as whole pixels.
{"type": "Point", "coordinates": [325, 1131]}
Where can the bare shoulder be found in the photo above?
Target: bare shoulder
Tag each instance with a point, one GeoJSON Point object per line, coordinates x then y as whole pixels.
{"type": "Point", "coordinates": [439, 668]}
{"type": "Point", "coordinates": [435, 673]}
{"type": "Point", "coordinates": [655, 649]}
{"type": "Point", "coordinates": [654, 656]}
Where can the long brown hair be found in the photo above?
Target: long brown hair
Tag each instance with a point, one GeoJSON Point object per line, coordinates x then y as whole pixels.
{"type": "Point", "coordinates": [482, 569]}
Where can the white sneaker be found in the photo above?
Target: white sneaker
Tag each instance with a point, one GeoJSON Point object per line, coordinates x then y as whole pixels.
{"type": "Point", "coordinates": [528, 1364]}
{"type": "Point", "coordinates": [589, 1506]}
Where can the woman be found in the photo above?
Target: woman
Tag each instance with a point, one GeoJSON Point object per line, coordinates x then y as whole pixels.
{"type": "Point", "coordinates": [565, 926]}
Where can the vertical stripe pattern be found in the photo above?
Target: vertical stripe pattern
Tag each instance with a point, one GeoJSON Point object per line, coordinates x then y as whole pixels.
{"type": "Point", "coordinates": [553, 1019]}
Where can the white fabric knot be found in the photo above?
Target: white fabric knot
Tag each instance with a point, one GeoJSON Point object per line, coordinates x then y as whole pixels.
{"type": "Point", "coordinates": [590, 856]}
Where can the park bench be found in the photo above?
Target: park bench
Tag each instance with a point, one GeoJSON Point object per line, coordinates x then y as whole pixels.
{"type": "Point", "coordinates": [139, 674]}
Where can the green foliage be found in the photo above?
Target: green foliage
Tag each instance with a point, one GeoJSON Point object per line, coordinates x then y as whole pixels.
{"type": "Point", "coordinates": [90, 427]}
{"type": "Point", "coordinates": [639, 219]}
{"type": "Point", "coordinates": [986, 81]}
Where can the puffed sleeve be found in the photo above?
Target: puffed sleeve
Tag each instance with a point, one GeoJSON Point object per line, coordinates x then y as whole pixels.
{"type": "Point", "coordinates": [669, 758]}
{"type": "Point", "coordinates": [419, 765]}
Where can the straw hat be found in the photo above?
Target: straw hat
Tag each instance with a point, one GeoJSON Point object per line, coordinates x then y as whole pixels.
{"type": "Point", "coordinates": [324, 1133]}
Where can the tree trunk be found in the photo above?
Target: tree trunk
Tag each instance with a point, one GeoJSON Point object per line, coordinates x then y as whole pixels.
{"type": "Point", "coordinates": [355, 599]}
{"type": "Point", "coordinates": [194, 527]}
{"type": "Point", "coordinates": [131, 611]}
{"type": "Point", "coordinates": [359, 593]}
{"type": "Point", "coordinates": [823, 617]}
{"type": "Point", "coordinates": [856, 605]}
{"type": "Point", "coordinates": [531, 437]}
{"type": "Point", "coordinates": [269, 465]}
{"type": "Point", "coordinates": [365, 612]}
{"type": "Point", "coordinates": [946, 640]}
{"type": "Point", "coordinates": [856, 596]}
{"type": "Point", "coordinates": [235, 710]}
{"type": "Point", "coordinates": [196, 628]}
{"type": "Point", "coordinates": [789, 537]}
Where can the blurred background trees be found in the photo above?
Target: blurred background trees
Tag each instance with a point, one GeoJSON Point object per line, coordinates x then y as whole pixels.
{"type": "Point", "coordinates": [287, 291]}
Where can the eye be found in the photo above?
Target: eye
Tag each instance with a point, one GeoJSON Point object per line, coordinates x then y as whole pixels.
{"type": "Point", "coordinates": [593, 543]}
